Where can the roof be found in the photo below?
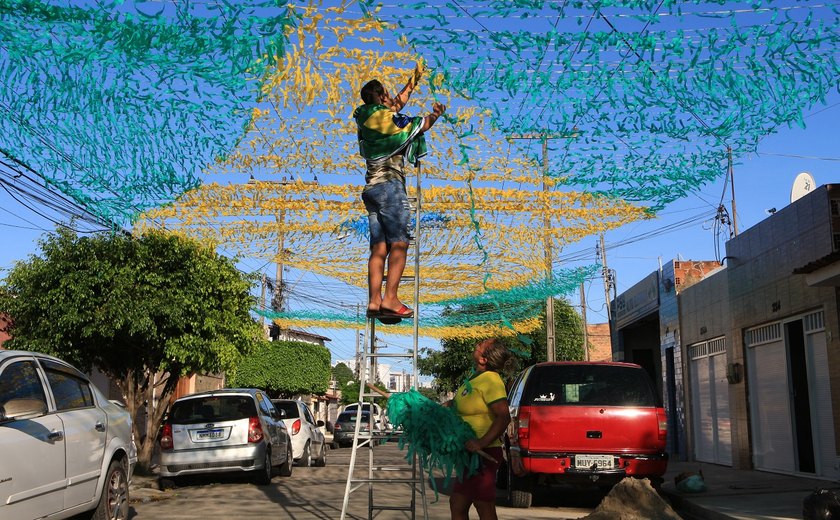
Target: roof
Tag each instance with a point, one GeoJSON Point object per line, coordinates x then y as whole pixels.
{"type": "Point", "coordinates": [819, 263]}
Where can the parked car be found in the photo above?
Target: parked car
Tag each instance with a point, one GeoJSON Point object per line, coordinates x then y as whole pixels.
{"type": "Point", "coordinates": [307, 438]}
{"type": "Point", "coordinates": [345, 426]}
{"type": "Point", "coordinates": [64, 448]}
{"type": "Point", "coordinates": [224, 431]}
{"type": "Point", "coordinates": [584, 423]}
{"type": "Point", "coordinates": [379, 415]}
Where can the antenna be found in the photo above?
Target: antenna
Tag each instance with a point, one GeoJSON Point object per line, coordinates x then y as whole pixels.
{"type": "Point", "coordinates": [802, 185]}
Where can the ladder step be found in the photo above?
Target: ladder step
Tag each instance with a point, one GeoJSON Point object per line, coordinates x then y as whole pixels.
{"type": "Point", "coordinates": [406, 279]}
{"type": "Point", "coordinates": [391, 508]}
{"type": "Point", "coordinates": [386, 481]}
{"type": "Point", "coordinates": [387, 355]}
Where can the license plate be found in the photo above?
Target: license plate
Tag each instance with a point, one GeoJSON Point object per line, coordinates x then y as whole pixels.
{"type": "Point", "coordinates": [206, 435]}
{"type": "Point", "coordinates": [599, 461]}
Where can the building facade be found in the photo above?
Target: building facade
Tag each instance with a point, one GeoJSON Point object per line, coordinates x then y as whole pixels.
{"type": "Point", "coordinates": [762, 370]}
{"type": "Point", "coordinates": [646, 331]}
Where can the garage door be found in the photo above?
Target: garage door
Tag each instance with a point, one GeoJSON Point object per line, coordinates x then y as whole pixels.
{"type": "Point", "coordinates": [773, 413]}
{"type": "Point", "coordinates": [710, 402]}
{"type": "Point", "coordinates": [769, 401]}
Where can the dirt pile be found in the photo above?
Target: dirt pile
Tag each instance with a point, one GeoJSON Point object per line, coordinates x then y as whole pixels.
{"type": "Point", "coordinates": [633, 499]}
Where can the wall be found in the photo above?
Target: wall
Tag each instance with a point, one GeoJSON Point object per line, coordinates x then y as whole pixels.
{"type": "Point", "coordinates": [4, 336]}
{"type": "Point", "coordinates": [704, 315]}
{"type": "Point", "coordinates": [762, 288]}
{"type": "Point", "coordinates": [600, 346]}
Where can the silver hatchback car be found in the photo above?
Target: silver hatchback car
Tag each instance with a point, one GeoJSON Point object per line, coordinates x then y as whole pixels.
{"type": "Point", "coordinates": [64, 448]}
{"type": "Point", "coordinates": [223, 431]}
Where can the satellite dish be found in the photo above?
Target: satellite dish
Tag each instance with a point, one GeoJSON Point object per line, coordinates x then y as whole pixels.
{"type": "Point", "coordinates": [802, 185]}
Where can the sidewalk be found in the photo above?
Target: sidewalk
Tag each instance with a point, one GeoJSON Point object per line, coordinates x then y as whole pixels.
{"type": "Point", "coordinates": [740, 494]}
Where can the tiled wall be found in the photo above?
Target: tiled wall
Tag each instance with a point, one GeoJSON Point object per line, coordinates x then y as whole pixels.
{"type": "Point", "coordinates": [763, 289]}
{"type": "Point", "coordinates": [704, 314]}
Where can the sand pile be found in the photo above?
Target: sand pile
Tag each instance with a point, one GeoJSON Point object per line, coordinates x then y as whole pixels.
{"type": "Point", "coordinates": [633, 499]}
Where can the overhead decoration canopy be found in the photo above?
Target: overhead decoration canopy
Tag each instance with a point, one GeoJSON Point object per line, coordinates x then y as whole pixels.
{"type": "Point", "coordinates": [565, 119]}
{"type": "Point", "coordinates": [120, 105]}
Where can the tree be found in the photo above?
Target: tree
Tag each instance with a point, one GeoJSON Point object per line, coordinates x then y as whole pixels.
{"type": "Point", "coordinates": [453, 363]}
{"type": "Point", "coordinates": [350, 393]}
{"type": "Point", "coordinates": [285, 369]}
{"type": "Point", "coordinates": [342, 374]}
{"type": "Point", "coordinates": [144, 311]}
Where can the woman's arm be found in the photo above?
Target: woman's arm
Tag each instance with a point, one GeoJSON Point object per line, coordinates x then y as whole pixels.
{"type": "Point", "coordinates": [501, 419]}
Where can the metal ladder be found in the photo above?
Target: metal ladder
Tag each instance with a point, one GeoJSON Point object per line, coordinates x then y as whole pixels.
{"type": "Point", "coordinates": [377, 475]}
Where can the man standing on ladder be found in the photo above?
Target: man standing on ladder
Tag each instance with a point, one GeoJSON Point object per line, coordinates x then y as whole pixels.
{"type": "Point", "coordinates": [387, 139]}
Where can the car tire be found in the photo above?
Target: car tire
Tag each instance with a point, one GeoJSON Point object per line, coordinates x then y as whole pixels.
{"type": "Point", "coordinates": [520, 493]}
{"type": "Point", "coordinates": [263, 477]}
{"type": "Point", "coordinates": [306, 457]}
{"type": "Point", "coordinates": [286, 467]}
{"type": "Point", "coordinates": [165, 483]}
{"type": "Point", "coordinates": [322, 460]}
{"type": "Point", "coordinates": [113, 504]}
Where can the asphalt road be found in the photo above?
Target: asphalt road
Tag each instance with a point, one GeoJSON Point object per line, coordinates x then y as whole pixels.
{"type": "Point", "coordinates": [318, 493]}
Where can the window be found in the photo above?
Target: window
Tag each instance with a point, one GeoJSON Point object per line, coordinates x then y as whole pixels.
{"type": "Point", "coordinates": [69, 387]}
{"type": "Point", "coordinates": [308, 415]}
{"type": "Point", "coordinates": [289, 407]}
{"type": "Point", "coordinates": [589, 385]}
{"type": "Point", "coordinates": [265, 406]}
{"type": "Point", "coordinates": [213, 409]}
{"type": "Point", "coordinates": [20, 380]}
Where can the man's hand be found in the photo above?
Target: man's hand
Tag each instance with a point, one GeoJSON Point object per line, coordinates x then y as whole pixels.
{"type": "Point", "coordinates": [419, 68]}
{"type": "Point", "coordinates": [438, 109]}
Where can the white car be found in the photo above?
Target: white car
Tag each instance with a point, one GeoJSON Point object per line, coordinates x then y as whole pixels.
{"type": "Point", "coordinates": [230, 430]}
{"type": "Point", "coordinates": [308, 443]}
{"type": "Point", "coordinates": [64, 448]}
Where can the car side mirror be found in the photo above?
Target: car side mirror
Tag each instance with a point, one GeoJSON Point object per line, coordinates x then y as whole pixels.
{"type": "Point", "coordinates": [320, 423]}
{"type": "Point", "coordinates": [282, 414]}
{"type": "Point", "coordinates": [22, 409]}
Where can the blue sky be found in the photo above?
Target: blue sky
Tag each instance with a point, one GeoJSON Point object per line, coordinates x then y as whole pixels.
{"type": "Point", "coordinates": [761, 182]}
{"type": "Point", "coordinates": [684, 229]}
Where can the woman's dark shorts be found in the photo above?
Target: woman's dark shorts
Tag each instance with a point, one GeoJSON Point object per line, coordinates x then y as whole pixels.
{"type": "Point", "coordinates": [481, 487]}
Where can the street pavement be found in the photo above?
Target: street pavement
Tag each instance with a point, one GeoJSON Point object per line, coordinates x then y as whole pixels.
{"type": "Point", "coordinates": [317, 493]}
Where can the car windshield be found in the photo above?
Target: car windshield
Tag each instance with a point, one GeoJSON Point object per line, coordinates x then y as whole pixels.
{"type": "Point", "coordinates": [589, 385]}
{"type": "Point", "coordinates": [289, 407]}
{"type": "Point", "coordinates": [351, 417]}
{"type": "Point", "coordinates": [214, 408]}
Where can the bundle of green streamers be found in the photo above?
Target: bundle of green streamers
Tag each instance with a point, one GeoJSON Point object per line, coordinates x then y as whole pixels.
{"type": "Point", "coordinates": [435, 433]}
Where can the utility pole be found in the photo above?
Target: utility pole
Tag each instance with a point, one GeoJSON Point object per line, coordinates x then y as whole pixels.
{"type": "Point", "coordinates": [262, 299]}
{"type": "Point", "coordinates": [608, 281]}
{"type": "Point", "coordinates": [277, 298]}
{"type": "Point", "coordinates": [585, 326]}
{"type": "Point", "coordinates": [549, 275]}
{"type": "Point", "coordinates": [732, 187]}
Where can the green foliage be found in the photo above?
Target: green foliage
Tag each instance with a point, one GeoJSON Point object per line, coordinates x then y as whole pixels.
{"type": "Point", "coordinates": [568, 333]}
{"type": "Point", "coordinates": [121, 304]}
{"type": "Point", "coordinates": [285, 369]}
{"type": "Point", "coordinates": [453, 363]}
{"type": "Point", "coordinates": [342, 374]}
{"type": "Point", "coordinates": [350, 393]}
{"type": "Point", "coordinates": [429, 393]}
{"type": "Point", "coordinates": [141, 310]}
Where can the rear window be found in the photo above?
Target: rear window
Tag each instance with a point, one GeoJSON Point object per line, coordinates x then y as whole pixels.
{"type": "Point", "coordinates": [215, 408]}
{"type": "Point", "coordinates": [365, 408]}
{"type": "Point", "coordinates": [291, 409]}
{"type": "Point", "coordinates": [589, 385]}
{"type": "Point", "coordinates": [351, 417]}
